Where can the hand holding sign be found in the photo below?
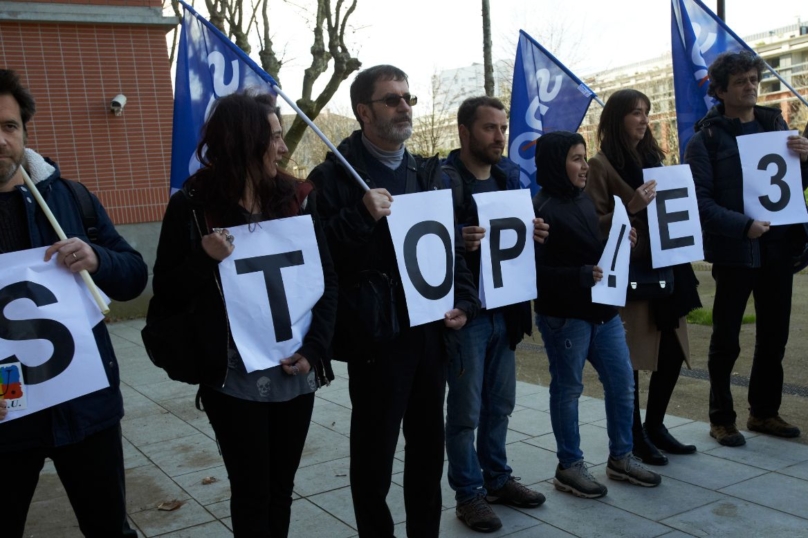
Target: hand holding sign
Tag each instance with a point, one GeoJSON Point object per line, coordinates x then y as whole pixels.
{"type": "Point", "coordinates": [799, 145]}
{"type": "Point", "coordinates": [472, 235]}
{"type": "Point", "coordinates": [612, 289]}
{"type": "Point", "coordinates": [642, 197]}
{"type": "Point", "coordinates": [219, 244]}
{"type": "Point", "coordinates": [772, 186]}
{"type": "Point", "coordinates": [541, 230]}
{"type": "Point", "coordinates": [3, 409]}
{"type": "Point", "coordinates": [455, 319]}
{"type": "Point", "coordinates": [74, 254]}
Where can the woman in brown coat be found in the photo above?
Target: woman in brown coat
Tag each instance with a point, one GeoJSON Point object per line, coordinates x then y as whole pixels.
{"type": "Point", "coordinates": [656, 330]}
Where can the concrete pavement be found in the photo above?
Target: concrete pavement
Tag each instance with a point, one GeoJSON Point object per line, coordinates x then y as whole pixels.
{"type": "Point", "coordinates": [760, 489]}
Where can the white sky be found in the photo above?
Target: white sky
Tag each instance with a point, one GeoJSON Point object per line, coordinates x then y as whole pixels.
{"type": "Point", "coordinates": [425, 36]}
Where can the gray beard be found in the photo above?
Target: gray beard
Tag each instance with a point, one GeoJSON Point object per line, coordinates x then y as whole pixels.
{"type": "Point", "coordinates": [392, 133]}
{"type": "Point", "coordinates": [5, 176]}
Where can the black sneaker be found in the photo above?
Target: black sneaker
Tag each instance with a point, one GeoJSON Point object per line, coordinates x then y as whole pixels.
{"type": "Point", "coordinates": [515, 494]}
{"type": "Point", "coordinates": [478, 515]}
{"type": "Point", "coordinates": [579, 481]}
{"type": "Point", "coordinates": [631, 470]}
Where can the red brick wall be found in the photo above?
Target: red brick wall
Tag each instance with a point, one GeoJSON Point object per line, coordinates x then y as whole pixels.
{"type": "Point", "coordinates": [74, 71]}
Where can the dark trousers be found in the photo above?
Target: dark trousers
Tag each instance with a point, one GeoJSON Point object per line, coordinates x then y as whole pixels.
{"type": "Point", "coordinates": [663, 381]}
{"type": "Point", "coordinates": [261, 445]}
{"type": "Point", "coordinates": [408, 384]}
{"type": "Point", "coordinates": [771, 287]}
{"type": "Point", "coordinates": [92, 474]}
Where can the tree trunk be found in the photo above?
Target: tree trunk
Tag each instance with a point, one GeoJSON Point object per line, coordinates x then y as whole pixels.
{"type": "Point", "coordinates": [488, 64]}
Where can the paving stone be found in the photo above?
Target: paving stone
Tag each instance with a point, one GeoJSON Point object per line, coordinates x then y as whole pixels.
{"type": "Point", "coordinates": [147, 487]}
{"type": "Point", "coordinates": [783, 493]}
{"type": "Point", "coordinates": [337, 396]}
{"type": "Point", "coordinates": [49, 486]}
{"type": "Point", "coordinates": [310, 521]}
{"type": "Point", "coordinates": [671, 497]}
{"type": "Point", "coordinates": [154, 522]}
{"type": "Point", "coordinates": [184, 455]}
{"type": "Point", "coordinates": [156, 427]}
{"type": "Point", "coordinates": [799, 471]}
{"type": "Point", "coordinates": [205, 494]}
{"type": "Point", "coordinates": [51, 518]}
{"type": "Point", "coordinates": [339, 504]}
{"type": "Point", "coordinates": [322, 477]}
{"type": "Point", "coordinates": [214, 529]}
{"type": "Point", "coordinates": [707, 471]}
{"type": "Point", "coordinates": [322, 445]}
{"type": "Point", "coordinates": [512, 520]}
{"type": "Point", "coordinates": [766, 452]}
{"type": "Point", "coordinates": [332, 416]}
{"type": "Point", "coordinates": [530, 422]}
{"type": "Point", "coordinates": [735, 517]}
{"type": "Point", "coordinates": [167, 390]}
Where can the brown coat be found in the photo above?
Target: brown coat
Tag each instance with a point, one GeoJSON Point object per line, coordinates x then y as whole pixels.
{"type": "Point", "coordinates": [642, 335]}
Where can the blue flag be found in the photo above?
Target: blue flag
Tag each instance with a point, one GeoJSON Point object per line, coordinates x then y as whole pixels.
{"type": "Point", "coordinates": [698, 36]}
{"type": "Point", "coordinates": [209, 66]}
{"type": "Point", "coordinates": [546, 97]}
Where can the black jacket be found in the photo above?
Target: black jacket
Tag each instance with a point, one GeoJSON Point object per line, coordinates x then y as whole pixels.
{"type": "Point", "coordinates": [713, 157]}
{"type": "Point", "coordinates": [565, 261]}
{"type": "Point", "coordinates": [185, 274]}
{"type": "Point", "coordinates": [359, 243]}
{"type": "Point", "coordinates": [518, 320]}
{"type": "Point", "coordinates": [121, 274]}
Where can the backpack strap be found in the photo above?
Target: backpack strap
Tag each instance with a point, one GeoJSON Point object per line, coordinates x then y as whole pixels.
{"type": "Point", "coordinates": [84, 201]}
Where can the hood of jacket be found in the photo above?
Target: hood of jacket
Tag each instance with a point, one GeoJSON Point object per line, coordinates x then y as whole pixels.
{"type": "Point", "coordinates": [40, 169]}
{"type": "Point", "coordinates": [551, 163]}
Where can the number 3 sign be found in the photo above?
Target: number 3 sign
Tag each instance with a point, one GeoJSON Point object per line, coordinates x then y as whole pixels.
{"type": "Point", "coordinates": [772, 186]}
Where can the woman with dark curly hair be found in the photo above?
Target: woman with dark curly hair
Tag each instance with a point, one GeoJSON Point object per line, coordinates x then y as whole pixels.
{"type": "Point", "coordinates": [260, 418]}
{"type": "Point", "coordinates": [656, 330]}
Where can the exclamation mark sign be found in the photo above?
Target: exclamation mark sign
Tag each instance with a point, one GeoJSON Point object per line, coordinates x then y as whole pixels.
{"type": "Point", "coordinates": [612, 277]}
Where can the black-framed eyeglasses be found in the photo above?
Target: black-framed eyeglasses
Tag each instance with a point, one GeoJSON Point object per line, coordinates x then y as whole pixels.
{"type": "Point", "coordinates": [393, 99]}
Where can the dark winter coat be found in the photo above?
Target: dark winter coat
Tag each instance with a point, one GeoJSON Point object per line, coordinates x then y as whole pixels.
{"type": "Point", "coordinates": [565, 261]}
{"type": "Point", "coordinates": [713, 157]}
{"type": "Point", "coordinates": [121, 274]}
{"type": "Point", "coordinates": [358, 243]}
{"type": "Point", "coordinates": [184, 273]}
{"type": "Point", "coordinates": [518, 320]}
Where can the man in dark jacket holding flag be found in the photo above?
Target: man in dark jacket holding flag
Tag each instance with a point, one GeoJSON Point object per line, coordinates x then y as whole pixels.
{"type": "Point", "coordinates": [396, 372]}
{"type": "Point", "coordinates": [81, 436]}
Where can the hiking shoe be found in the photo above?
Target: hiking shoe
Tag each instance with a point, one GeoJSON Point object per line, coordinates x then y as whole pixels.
{"type": "Point", "coordinates": [478, 515]}
{"type": "Point", "coordinates": [630, 469]}
{"type": "Point", "coordinates": [579, 481]}
{"type": "Point", "coordinates": [727, 435]}
{"type": "Point", "coordinates": [773, 426]}
{"type": "Point", "coordinates": [515, 494]}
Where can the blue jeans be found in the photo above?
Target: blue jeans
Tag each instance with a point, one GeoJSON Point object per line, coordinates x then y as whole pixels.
{"type": "Point", "coordinates": [482, 394]}
{"type": "Point", "coordinates": [569, 343]}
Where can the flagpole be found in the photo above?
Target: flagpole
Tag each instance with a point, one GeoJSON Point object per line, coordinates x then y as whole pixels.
{"type": "Point", "coordinates": [361, 182]}
{"type": "Point", "coordinates": [88, 280]}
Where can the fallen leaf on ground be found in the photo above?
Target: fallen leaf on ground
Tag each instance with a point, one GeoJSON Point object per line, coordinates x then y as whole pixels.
{"type": "Point", "coordinates": [208, 480]}
{"type": "Point", "coordinates": [169, 506]}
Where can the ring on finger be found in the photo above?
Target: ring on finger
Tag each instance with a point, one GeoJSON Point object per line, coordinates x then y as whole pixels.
{"type": "Point", "coordinates": [75, 257]}
{"type": "Point", "coordinates": [295, 369]}
{"type": "Point", "coordinates": [229, 238]}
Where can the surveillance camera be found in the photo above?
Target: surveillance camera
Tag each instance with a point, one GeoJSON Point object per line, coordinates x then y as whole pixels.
{"type": "Point", "coordinates": [117, 104]}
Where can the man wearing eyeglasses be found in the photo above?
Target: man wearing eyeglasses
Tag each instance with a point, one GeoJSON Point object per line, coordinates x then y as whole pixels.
{"type": "Point", "coordinates": [396, 372]}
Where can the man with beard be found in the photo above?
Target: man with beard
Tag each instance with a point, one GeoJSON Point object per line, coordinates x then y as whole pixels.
{"type": "Point", "coordinates": [481, 372]}
{"type": "Point", "coordinates": [81, 436]}
{"type": "Point", "coordinates": [396, 372]}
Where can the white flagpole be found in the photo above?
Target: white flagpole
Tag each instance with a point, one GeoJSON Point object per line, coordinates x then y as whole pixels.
{"type": "Point", "coordinates": [359, 180]}
{"type": "Point", "coordinates": [88, 280]}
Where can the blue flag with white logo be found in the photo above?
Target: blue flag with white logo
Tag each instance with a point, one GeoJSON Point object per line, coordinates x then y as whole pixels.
{"type": "Point", "coordinates": [546, 96]}
{"type": "Point", "coordinates": [698, 36]}
{"type": "Point", "coordinates": [209, 66]}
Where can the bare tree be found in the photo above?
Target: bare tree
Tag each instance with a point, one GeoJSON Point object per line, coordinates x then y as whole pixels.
{"type": "Point", "coordinates": [435, 130]}
{"type": "Point", "coordinates": [311, 151]}
{"type": "Point", "coordinates": [241, 19]}
{"type": "Point", "coordinates": [488, 64]}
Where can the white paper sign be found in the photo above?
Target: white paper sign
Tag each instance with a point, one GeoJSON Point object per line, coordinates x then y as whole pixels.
{"type": "Point", "coordinates": [614, 260]}
{"type": "Point", "coordinates": [507, 260]}
{"type": "Point", "coordinates": [422, 229]}
{"type": "Point", "coordinates": [673, 217]}
{"type": "Point", "coordinates": [772, 186]}
{"type": "Point", "coordinates": [271, 281]}
{"type": "Point", "coordinates": [45, 325]}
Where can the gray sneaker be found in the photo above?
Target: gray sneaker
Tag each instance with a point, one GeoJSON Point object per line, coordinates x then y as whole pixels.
{"type": "Point", "coordinates": [630, 469]}
{"type": "Point", "coordinates": [579, 481]}
{"type": "Point", "coordinates": [478, 515]}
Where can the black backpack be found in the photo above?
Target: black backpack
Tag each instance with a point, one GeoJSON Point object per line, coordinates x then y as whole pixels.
{"type": "Point", "coordinates": [84, 201]}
